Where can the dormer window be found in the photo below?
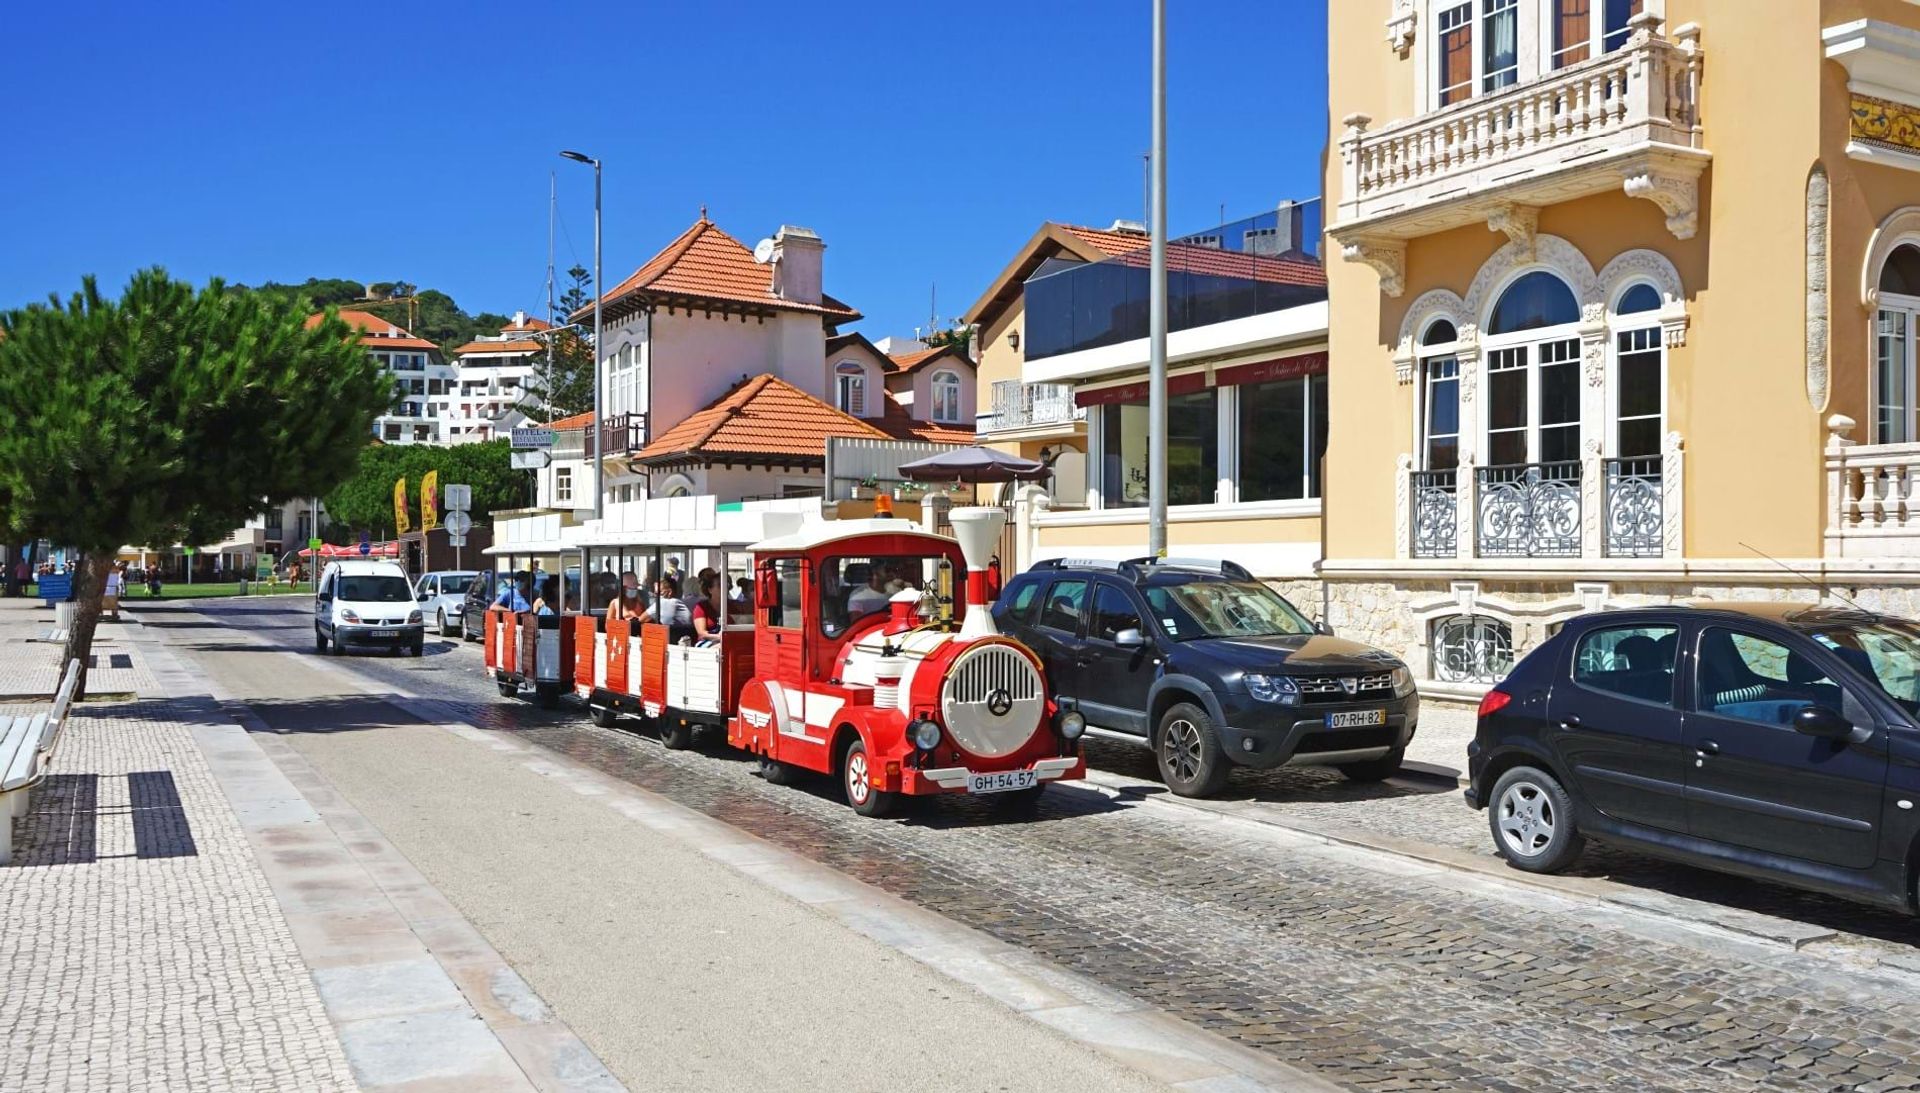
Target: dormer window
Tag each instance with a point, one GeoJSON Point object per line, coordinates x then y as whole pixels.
{"type": "Point", "coordinates": [946, 396]}
{"type": "Point", "coordinates": [850, 386]}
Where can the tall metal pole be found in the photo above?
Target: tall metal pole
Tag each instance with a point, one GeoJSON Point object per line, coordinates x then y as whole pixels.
{"type": "Point", "coordinates": [546, 399]}
{"type": "Point", "coordinates": [599, 290]}
{"type": "Point", "coordinates": [1157, 299]}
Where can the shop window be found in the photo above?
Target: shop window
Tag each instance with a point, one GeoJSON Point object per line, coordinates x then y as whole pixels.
{"type": "Point", "coordinates": [1193, 450]}
{"type": "Point", "coordinates": [1283, 434]}
{"type": "Point", "coordinates": [1471, 649]}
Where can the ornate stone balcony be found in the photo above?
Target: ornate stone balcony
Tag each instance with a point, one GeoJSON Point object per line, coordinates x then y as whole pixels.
{"type": "Point", "coordinates": [1626, 120]}
{"type": "Point", "coordinates": [1873, 496]}
{"type": "Point", "coordinates": [1042, 407]}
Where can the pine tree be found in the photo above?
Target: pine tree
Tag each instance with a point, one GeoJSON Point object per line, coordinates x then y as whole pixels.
{"type": "Point", "coordinates": [169, 415]}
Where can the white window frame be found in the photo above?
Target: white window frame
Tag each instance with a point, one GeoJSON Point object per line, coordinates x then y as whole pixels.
{"type": "Point", "coordinates": [562, 486]}
{"type": "Point", "coordinates": [1425, 357]}
{"type": "Point", "coordinates": [1638, 323]}
{"type": "Point", "coordinates": [849, 376]}
{"type": "Point", "coordinates": [1534, 48]}
{"type": "Point", "coordinates": [1909, 307]}
{"type": "Point", "coordinates": [946, 382]}
{"type": "Point", "coordinates": [1531, 341]}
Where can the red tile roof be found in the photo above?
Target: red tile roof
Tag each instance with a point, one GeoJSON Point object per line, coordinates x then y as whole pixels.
{"type": "Point", "coordinates": [1104, 241]}
{"type": "Point", "coordinates": [708, 264]}
{"type": "Point", "coordinates": [900, 424]}
{"type": "Point", "coordinates": [531, 323]}
{"type": "Point", "coordinates": [577, 421]}
{"type": "Point", "coordinates": [902, 363]}
{"type": "Point", "coordinates": [764, 416]}
{"type": "Point", "coordinates": [375, 332]}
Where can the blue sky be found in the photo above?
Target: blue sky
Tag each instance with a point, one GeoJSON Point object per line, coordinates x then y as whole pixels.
{"type": "Point", "coordinates": [923, 141]}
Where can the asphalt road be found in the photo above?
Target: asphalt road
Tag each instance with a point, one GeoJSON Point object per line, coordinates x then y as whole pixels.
{"type": "Point", "coordinates": [1373, 970]}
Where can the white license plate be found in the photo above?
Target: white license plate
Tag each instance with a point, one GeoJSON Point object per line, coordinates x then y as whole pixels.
{"type": "Point", "coordinates": [1001, 781]}
{"type": "Point", "coordinates": [1353, 719]}
{"type": "Point", "coordinates": [386, 633]}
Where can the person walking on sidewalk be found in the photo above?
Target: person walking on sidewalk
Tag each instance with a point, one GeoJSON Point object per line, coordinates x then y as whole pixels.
{"type": "Point", "coordinates": [116, 584]}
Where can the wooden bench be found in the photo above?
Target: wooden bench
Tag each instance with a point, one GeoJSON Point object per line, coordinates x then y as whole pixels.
{"type": "Point", "coordinates": [26, 750]}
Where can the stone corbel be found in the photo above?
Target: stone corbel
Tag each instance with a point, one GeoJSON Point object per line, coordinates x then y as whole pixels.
{"type": "Point", "coordinates": [1520, 222]}
{"type": "Point", "coordinates": [1400, 26]}
{"type": "Point", "coordinates": [1387, 257]}
{"type": "Point", "coordinates": [1673, 327]}
{"type": "Point", "coordinates": [1677, 195]}
{"type": "Point", "coordinates": [1403, 360]}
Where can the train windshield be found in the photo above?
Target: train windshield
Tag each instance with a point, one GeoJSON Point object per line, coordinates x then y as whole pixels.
{"type": "Point", "coordinates": [855, 588]}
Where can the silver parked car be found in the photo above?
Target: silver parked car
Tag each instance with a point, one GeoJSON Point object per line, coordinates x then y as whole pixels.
{"type": "Point", "coordinates": [443, 597]}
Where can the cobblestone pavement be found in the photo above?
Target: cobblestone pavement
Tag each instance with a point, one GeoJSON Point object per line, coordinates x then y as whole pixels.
{"type": "Point", "coordinates": [1376, 971]}
{"type": "Point", "coordinates": [30, 666]}
{"type": "Point", "coordinates": [142, 948]}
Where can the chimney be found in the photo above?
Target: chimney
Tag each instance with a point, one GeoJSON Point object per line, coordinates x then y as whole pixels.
{"type": "Point", "coordinates": [977, 528]}
{"type": "Point", "coordinates": [520, 318]}
{"type": "Point", "coordinates": [797, 264]}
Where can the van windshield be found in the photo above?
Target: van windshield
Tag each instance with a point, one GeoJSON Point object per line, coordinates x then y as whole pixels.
{"type": "Point", "coordinates": [373, 588]}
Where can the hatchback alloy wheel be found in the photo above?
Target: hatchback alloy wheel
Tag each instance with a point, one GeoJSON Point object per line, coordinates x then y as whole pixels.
{"type": "Point", "coordinates": [1532, 821]}
{"type": "Point", "coordinates": [1526, 819]}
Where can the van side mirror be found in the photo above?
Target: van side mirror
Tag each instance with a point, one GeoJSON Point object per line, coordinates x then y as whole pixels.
{"type": "Point", "coordinates": [1321, 626]}
{"type": "Point", "coordinates": [1822, 722]}
{"type": "Point", "coordinates": [1130, 638]}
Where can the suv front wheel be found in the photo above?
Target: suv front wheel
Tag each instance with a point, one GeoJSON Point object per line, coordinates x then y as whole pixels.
{"type": "Point", "coordinates": [1191, 761]}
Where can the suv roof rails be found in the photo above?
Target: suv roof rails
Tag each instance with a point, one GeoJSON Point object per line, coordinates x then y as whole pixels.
{"type": "Point", "coordinates": [1127, 569]}
{"type": "Point", "coordinates": [1229, 569]}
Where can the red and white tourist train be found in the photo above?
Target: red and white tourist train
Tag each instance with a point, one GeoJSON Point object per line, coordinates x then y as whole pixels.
{"type": "Point", "coordinates": [840, 655]}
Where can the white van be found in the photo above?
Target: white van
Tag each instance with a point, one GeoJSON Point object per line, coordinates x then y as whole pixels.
{"type": "Point", "coordinates": [368, 604]}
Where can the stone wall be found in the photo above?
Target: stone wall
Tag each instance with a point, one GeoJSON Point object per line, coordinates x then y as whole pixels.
{"type": "Point", "coordinates": [1398, 614]}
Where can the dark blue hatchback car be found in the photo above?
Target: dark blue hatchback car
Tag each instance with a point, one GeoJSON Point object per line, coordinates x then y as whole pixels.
{"type": "Point", "coordinates": [1776, 741]}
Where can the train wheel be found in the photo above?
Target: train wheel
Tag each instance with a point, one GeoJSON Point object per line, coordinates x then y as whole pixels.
{"type": "Point", "coordinates": [604, 716]}
{"type": "Point", "coordinates": [675, 735]}
{"type": "Point", "coordinates": [856, 779]}
{"type": "Point", "coordinates": [509, 690]}
{"type": "Point", "coordinates": [775, 773]}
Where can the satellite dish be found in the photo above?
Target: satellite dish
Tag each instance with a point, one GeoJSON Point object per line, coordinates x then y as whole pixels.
{"type": "Point", "coordinates": [763, 251]}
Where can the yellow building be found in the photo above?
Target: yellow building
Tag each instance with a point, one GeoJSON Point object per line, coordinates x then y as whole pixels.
{"type": "Point", "coordinates": [1627, 313]}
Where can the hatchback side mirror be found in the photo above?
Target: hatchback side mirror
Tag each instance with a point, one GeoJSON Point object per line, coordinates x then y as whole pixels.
{"type": "Point", "coordinates": [1130, 638]}
{"type": "Point", "coordinates": [1822, 722]}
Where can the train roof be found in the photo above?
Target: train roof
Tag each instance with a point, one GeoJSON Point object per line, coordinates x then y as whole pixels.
{"type": "Point", "coordinates": [832, 531]}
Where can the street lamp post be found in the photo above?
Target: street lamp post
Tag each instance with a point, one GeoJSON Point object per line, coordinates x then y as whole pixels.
{"type": "Point", "coordinates": [1157, 299]}
{"type": "Point", "coordinates": [599, 467]}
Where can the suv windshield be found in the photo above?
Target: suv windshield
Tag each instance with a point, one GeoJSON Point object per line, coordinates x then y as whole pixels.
{"type": "Point", "coordinates": [1223, 609]}
{"type": "Point", "coordinates": [1887, 654]}
{"type": "Point", "coordinates": [368, 588]}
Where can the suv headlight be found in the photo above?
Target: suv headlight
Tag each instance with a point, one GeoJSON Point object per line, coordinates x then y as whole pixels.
{"type": "Point", "coordinates": [1281, 689]}
{"type": "Point", "coordinates": [1402, 682]}
{"type": "Point", "coordinates": [414, 617]}
{"type": "Point", "coordinates": [924, 734]}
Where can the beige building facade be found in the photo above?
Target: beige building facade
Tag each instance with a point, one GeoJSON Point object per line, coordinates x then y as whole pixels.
{"type": "Point", "coordinates": [1622, 309]}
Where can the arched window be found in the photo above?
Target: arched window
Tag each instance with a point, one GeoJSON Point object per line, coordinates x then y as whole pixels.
{"type": "Point", "coordinates": [1538, 299]}
{"type": "Point", "coordinates": [1639, 388]}
{"type": "Point", "coordinates": [850, 384]}
{"type": "Point", "coordinates": [1471, 649]}
{"type": "Point", "coordinates": [1533, 376]}
{"type": "Point", "coordinates": [946, 396]}
{"type": "Point", "coordinates": [1893, 347]}
{"type": "Point", "coordinates": [1639, 298]}
{"type": "Point", "coordinates": [1440, 392]}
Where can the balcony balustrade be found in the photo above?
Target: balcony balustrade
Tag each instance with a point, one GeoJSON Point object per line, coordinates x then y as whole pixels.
{"type": "Point", "coordinates": [1873, 496]}
{"type": "Point", "coordinates": [623, 433]}
{"type": "Point", "coordinates": [1528, 510]}
{"type": "Point", "coordinates": [1628, 120]}
{"type": "Point", "coordinates": [1635, 525]}
{"type": "Point", "coordinates": [1018, 405]}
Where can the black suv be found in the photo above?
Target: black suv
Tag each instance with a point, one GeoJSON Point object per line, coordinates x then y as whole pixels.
{"type": "Point", "coordinates": [1777, 741]}
{"type": "Point", "coordinates": [1209, 667]}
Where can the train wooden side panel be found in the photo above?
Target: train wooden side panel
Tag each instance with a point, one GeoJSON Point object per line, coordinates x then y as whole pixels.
{"type": "Point", "coordinates": [736, 667]}
{"type": "Point", "coordinates": [653, 668]}
{"type": "Point", "coordinates": [618, 650]}
{"type": "Point", "coordinates": [587, 651]}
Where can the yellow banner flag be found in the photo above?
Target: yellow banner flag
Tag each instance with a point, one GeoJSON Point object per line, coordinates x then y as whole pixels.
{"type": "Point", "coordinates": [430, 501]}
{"type": "Point", "coordinates": [400, 525]}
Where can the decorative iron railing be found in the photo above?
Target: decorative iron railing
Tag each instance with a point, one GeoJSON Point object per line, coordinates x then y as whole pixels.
{"type": "Point", "coordinates": [1634, 519]}
{"type": "Point", "coordinates": [1528, 510]}
{"type": "Point", "coordinates": [1018, 405]}
{"type": "Point", "coordinates": [1436, 520]}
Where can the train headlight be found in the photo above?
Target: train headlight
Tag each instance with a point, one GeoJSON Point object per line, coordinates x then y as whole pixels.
{"type": "Point", "coordinates": [1072, 724]}
{"type": "Point", "coordinates": [923, 734]}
